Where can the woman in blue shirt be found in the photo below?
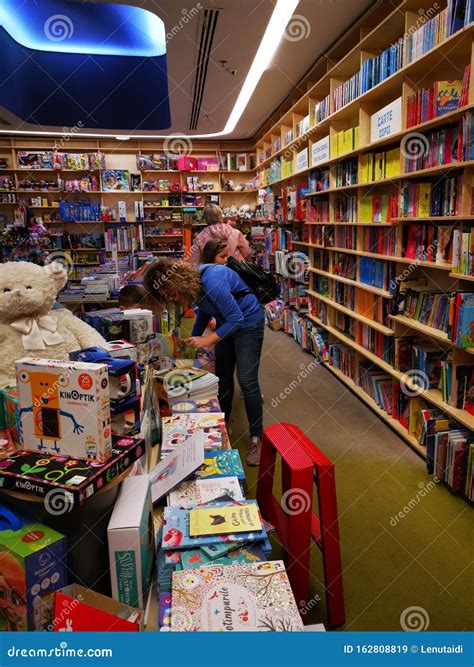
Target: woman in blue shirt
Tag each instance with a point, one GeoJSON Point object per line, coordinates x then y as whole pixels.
{"type": "Point", "coordinates": [219, 293]}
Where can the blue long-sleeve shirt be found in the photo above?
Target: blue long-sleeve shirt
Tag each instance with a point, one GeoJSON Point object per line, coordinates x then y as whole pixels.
{"type": "Point", "coordinates": [228, 299]}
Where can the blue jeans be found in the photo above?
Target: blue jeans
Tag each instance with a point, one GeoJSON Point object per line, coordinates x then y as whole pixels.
{"type": "Point", "coordinates": [242, 349]}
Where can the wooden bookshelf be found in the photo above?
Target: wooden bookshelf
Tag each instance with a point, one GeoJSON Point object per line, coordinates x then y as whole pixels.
{"type": "Point", "coordinates": [446, 60]}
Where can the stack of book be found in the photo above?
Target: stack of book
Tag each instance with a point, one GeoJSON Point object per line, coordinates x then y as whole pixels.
{"type": "Point", "coordinates": [185, 384]}
{"type": "Point", "coordinates": [179, 428]}
{"type": "Point", "coordinates": [441, 98]}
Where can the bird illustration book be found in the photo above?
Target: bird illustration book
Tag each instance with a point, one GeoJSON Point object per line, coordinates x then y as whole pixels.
{"type": "Point", "coordinates": [215, 521]}
{"type": "Point", "coordinates": [246, 597]}
{"type": "Point", "coordinates": [176, 528]}
{"type": "Point", "coordinates": [176, 467]}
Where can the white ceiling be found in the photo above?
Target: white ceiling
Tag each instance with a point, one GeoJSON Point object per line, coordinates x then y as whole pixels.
{"type": "Point", "coordinates": [315, 25]}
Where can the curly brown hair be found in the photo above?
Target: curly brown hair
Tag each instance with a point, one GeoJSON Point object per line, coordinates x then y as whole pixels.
{"type": "Point", "coordinates": [171, 281]}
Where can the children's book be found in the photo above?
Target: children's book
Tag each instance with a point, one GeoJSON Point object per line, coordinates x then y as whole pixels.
{"type": "Point", "coordinates": [176, 529]}
{"type": "Point", "coordinates": [184, 406]}
{"type": "Point", "coordinates": [221, 464]}
{"type": "Point", "coordinates": [212, 520]}
{"type": "Point", "coordinates": [178, 428]}
{"type": "Point", "coordinates": [251, 597]}
{"type": "Point", "coordinates": [195, 558]}
{"type": "Point", "coordinates": [176, 467]}
{"type": "Point", "coordinates": [196, 492]}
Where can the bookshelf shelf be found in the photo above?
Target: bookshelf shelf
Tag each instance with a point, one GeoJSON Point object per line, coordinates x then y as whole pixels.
{"type": "Point", "coordinates": [390, 258]}
{"type": "Point", "coordinates": [352, 313]}
{"type": "Point", "coordinates": [355, 283]}
{"type": "Point", "coordinates": [440, 336]}
{"type": "Point", "coordinates": [431, 395]}
{"type": "Point", "coordinates": [460, 276]}
{"type": "Point", "coordinates": [352, 224]}
{"type": "Point", "coordinates": [369, 401]}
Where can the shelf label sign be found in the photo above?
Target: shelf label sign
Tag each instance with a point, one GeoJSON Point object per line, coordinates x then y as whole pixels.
{"type": "Point", "coordinates": [302, 160]}
{"type": "Point", "coordinates": [386, 121]}
{"type": "Point", "coordinates": [320, 151]}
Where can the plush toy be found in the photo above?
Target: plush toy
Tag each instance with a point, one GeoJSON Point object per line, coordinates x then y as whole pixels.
{"type": "Point", "coordinates": [28, 326]}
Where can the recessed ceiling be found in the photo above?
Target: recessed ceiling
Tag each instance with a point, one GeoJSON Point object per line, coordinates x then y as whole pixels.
{"type": "Point", "coordinates": [211, 45]}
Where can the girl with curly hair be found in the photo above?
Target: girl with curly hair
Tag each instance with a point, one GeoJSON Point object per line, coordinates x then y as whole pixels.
{"type": "Point", "coordinates": [221, 294]}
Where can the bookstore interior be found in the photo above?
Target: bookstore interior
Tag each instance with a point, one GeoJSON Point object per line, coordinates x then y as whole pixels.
{"type": "Point", "coordinates": [237, 315]}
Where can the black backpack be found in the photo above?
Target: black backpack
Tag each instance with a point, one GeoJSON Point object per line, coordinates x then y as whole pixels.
{"type": "Point", "coordinates": [262, 284]}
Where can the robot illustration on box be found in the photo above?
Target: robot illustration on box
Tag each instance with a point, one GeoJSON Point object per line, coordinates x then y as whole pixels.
{"type": "Point", "coordinates": [45, 408]}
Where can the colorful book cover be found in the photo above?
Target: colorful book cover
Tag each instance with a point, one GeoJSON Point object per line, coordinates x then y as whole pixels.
{"type": "Point", "coordinates": [178, 428]}
{"type": "Point", "coordinates": [176, 533]}
{"type": "Point", "coordinates": [448, 96]}
{"type": "Point", "coordinates": [251, 597]}
{"type": "Point", "coordinates": [195, 558]}
{"type": "Point", "coordinates": [217, 521]}
{"type": "Point", "coordinates": [208, 405]}
{"type": "Point", "coordinates": [221, 464]}
{"type": "Point", "coordinates": [196, 492]}
{"type": "Point", "coordinates": [176, 467]}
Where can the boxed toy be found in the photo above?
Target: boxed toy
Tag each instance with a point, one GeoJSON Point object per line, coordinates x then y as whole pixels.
{"type": "Point", "coordinates": [186, 163]}
{"type": "Point", "coordinates": [131, 542]}
{"type": "Point", "coordinates": [64, 408]}
{"type": "Point", "coordinates": [32, 565]}
{"type": "Point", "coordinates": [122, 349]}
{"type": "Point", "coordinates": [122, 372]}
{"type": "Point", "coordinates": [77, 481]}
{"type": "Point", "coordinates": [125, 417]}
{"type": "Point", "coordinates": [79, 609]}
{"type": "Point", "coordinates": [9, 412]}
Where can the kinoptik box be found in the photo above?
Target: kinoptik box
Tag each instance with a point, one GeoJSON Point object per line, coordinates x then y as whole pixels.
{"type": "Point", "coordinates": [64, 408]}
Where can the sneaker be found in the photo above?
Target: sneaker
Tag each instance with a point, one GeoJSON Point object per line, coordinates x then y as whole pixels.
{"type": "Point", "coordinates": [253, 451]}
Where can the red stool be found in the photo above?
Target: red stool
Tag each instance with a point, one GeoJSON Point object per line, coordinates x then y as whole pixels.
{"type": "Point", "coordinates": [303, 465]}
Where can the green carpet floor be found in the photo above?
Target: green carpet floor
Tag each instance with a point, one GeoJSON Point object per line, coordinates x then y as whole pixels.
{"type": "Point", "coordinates": [423, 559]}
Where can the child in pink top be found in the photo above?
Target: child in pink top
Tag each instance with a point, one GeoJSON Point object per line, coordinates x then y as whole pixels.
{"type": "Point", "coordinates": [217, 229]}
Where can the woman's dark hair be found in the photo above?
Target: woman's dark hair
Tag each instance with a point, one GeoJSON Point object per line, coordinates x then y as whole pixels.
{"type": "Point", "coordinates": [131, 295]}
{"type": "Point", "coordinates": [211, 249]}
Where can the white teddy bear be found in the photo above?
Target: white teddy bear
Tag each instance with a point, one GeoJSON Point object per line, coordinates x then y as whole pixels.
{"type": "Point", "coordinates": [28, 325]}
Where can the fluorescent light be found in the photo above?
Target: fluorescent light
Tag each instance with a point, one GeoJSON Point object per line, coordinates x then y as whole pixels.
{"type": "Point", "coordinates": [271, 39]}
{"type": "Point", "coordinates": [122, 137]}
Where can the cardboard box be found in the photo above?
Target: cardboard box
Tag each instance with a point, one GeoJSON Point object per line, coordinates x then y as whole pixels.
{"type": "Point", "coordinates": [33, 473]}
{"type": "Point", "coordinates": [64, 408]}
{"type": "Point", "coordinates": [122, 349]}
{"type": "Point", "coordinates": [186, 163]}
{"type": "Point", "coordinates": [132, 542]}
{"type": "Point", "coordinates": [125, 417]}
{"type": "Point", "coordinates": [78, 609]}
{"type": "Point", "coordinates": [32, 565]}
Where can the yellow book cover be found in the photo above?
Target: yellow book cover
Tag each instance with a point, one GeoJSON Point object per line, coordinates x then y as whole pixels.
{"type": "Point", "coordinates": [334, 152]}
{"type": "Point", "coordinates": [356, 137]}
{"type": "Point", "coordinates": [424, 193]}
{"type": "Point", "coordinates": [222, 520]}
{"type": "Point", "coordinates": [347, 141]}
{"type": "Point", "coordinates": [364, 167]}
{"type": "Point", "coordinates": [416, 405]}
{"type": "Point", "coordinates": [365, 210]}
{"type": "Point", "coordinates": [393, 163]}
